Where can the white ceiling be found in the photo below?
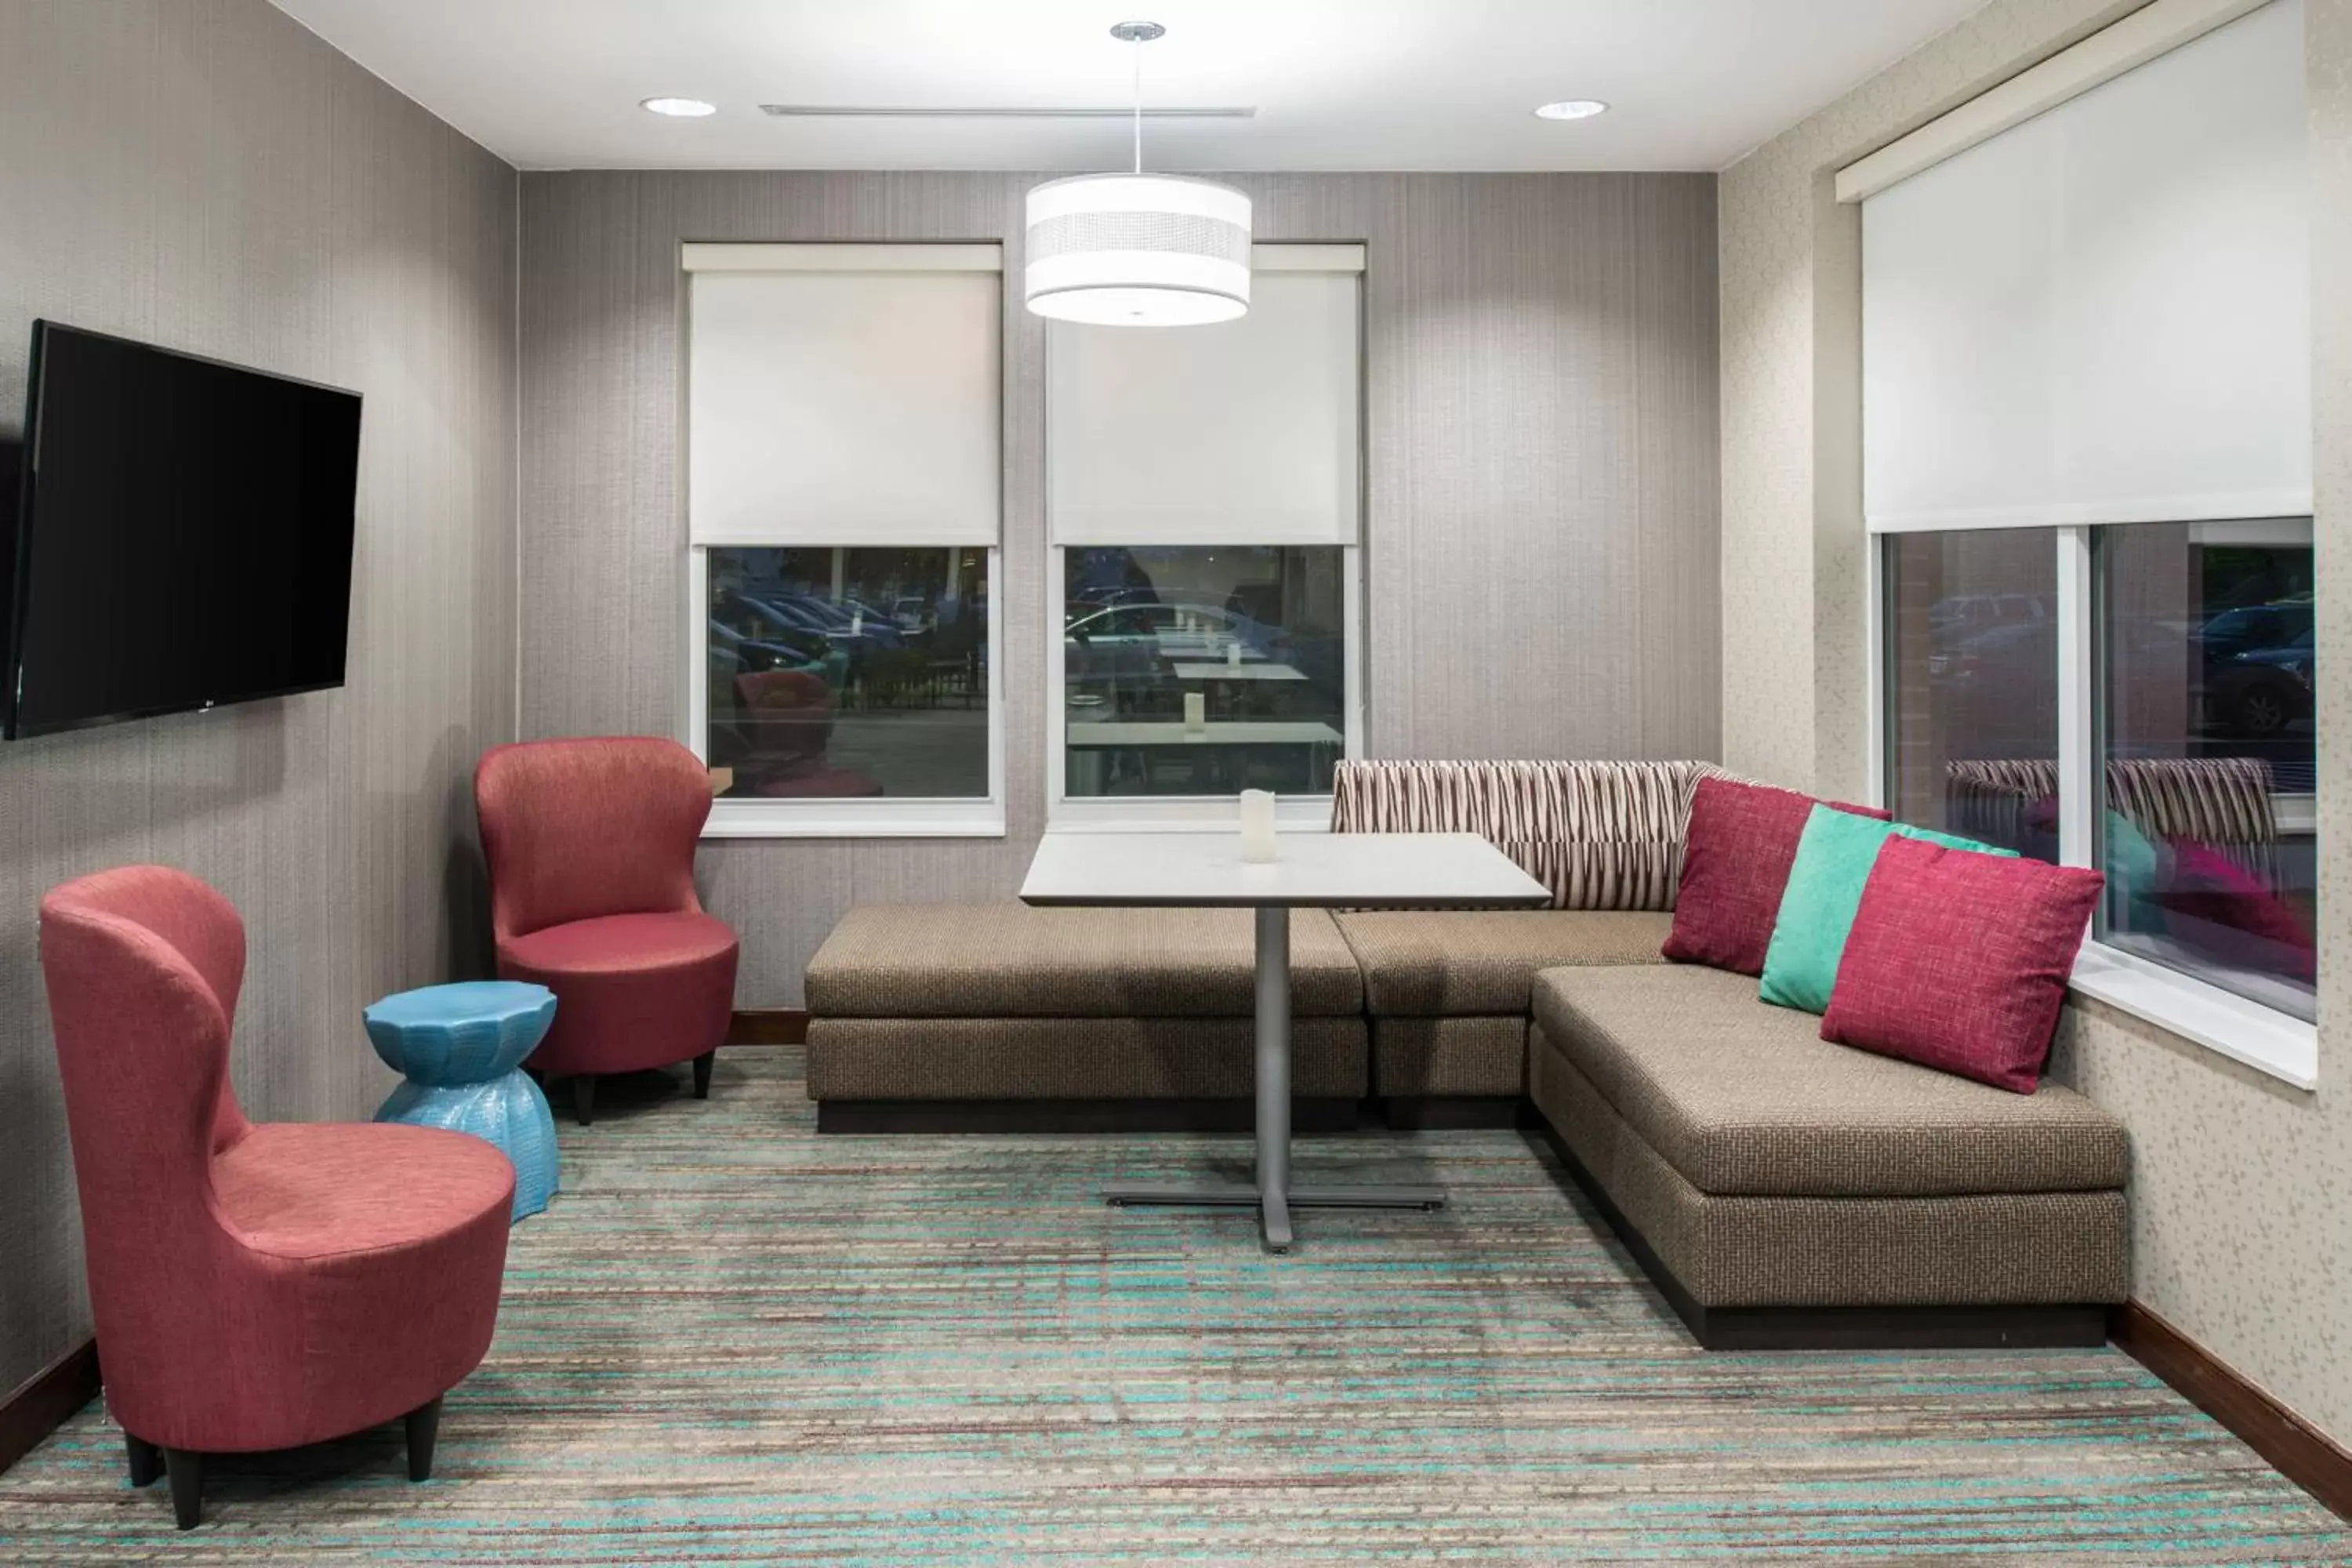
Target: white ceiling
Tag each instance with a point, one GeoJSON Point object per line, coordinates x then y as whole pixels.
{"type": "Point", "coordinates": [1336, 84]}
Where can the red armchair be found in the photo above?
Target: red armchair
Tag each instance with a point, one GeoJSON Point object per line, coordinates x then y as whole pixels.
{"type": "Point", "coordinates": [591, 848]}
{"type": "Point", "coordinates": [255, 1287]}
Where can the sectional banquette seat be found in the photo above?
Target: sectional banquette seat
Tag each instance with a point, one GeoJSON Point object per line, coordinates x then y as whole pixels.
{"type": "Point", "coordinates": [1779, 1190]}
{"type": "Point", "coordinates": [1003, 1018]}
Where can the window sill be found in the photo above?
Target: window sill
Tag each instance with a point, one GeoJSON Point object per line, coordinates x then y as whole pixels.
{"type": "Point", "coordinates": [2260, 1037]}
{"type": "Point", "coordinates": [855, 819]}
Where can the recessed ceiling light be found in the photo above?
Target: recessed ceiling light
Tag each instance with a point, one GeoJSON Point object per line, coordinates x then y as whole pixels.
{"type": "Point", "coordinates": [1572, 108]}
{"type": "Point", "coordinates": [680, 107]}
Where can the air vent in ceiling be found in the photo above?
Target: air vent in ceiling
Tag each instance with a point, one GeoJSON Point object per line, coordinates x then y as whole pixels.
{"type": "Point", "coordinates": [909, 111]}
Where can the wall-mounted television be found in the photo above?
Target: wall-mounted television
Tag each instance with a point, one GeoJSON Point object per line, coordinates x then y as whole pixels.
{"type": "Point", "coordinates": [183, 535]}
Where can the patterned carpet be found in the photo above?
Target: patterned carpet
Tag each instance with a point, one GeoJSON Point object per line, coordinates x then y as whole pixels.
{"type": "Point", "coordinates": [730, 1341]}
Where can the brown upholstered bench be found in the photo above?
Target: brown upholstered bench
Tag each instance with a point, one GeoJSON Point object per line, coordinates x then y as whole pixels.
{"type": "Point", "coordinates": [1003, 1018]}
{"type": "Point", "coordinates": [1448, 993]}
{"type": "Point", "coordinates": [1782, 1190]}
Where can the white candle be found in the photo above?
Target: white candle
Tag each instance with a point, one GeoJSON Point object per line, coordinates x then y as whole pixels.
{"type": "Point", "coordinates": [1258, 842]}
{"type": "Point", "coordinates": [1232, 653]}
{"type": "Point", "coordinates": [1196, 712]}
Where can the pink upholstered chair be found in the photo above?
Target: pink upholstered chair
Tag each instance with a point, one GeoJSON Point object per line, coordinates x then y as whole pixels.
{"type": "Point", "coordinates": [255, 1287]}
{"type": "Point", "coordinates": [590, 847]}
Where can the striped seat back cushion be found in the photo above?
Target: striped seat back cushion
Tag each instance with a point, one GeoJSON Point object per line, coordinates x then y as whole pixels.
{"type": "Point", "coordinates": [1599, 835]}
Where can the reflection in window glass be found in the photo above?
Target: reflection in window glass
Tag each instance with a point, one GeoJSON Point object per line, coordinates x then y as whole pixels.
{"type": "Point", "coordinates": [842, 674]}
{"type": "Point", "coordinates": [1972, 685]}
{"type": "Point", "coordinates": [1204, 670]}
{"type": "Point", "coordinates": [2205, 637]}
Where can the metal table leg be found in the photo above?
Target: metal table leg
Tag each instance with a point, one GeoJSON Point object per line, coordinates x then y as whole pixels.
{"type": "Point", "coordinates": [1274, 1197]}
{"type": "Point", "coordinates": [1274, 1075]}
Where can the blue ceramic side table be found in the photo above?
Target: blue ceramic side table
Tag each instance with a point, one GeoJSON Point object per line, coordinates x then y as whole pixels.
{"type": "Point", "coordinates": [461, 1049]}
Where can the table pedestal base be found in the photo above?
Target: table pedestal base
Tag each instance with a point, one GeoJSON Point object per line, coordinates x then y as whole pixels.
{"type": "Point", "coordinates": [1274, 1208]}
{"type": "Point", "coordinates": [1273, 1196]}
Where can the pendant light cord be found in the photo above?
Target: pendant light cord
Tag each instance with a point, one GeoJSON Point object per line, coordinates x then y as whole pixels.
{"type": "Point", "coordinates": [1138, 105]}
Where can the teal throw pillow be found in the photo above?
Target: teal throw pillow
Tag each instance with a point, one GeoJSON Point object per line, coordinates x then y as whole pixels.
{"type": "Point", "coordinates": [1817, 910]}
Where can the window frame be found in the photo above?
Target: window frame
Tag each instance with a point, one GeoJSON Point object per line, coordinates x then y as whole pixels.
{"type": "Point", "coordinates": [885, 816]}
{"type": "Point", "coordinates": [1065, 812]}
{"type": "Point", "coordinates": [2265, 1038]}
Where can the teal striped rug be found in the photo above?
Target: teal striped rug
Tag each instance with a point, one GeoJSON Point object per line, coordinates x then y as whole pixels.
{"type": "Point", "coordinates": [730, 1341]}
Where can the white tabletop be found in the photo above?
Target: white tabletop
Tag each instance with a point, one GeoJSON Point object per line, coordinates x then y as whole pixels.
{"type": "Point", "coordinates": [1216, 671]}
{"type": "Point", "coordinates": [1221, 733]}
{"type": "Point", "coordinates": [1416, 870]}
{"type": "Point", "coordinates": [1177, 644]}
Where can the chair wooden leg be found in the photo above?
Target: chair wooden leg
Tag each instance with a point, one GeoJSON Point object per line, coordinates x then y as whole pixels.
{"type": "Point", "coordinates": [702, 1073]}
{"type": "Point", "coordinates": [146, 1459]}
{"type": "Point", "coordinates": [424, 1425]}
{"type": "Point", "coordinates": [583, 1098]}
{"type": "Point", "coordinates": [187, 1473]}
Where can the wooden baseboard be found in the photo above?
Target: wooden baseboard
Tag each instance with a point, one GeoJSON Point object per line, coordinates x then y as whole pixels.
{"type": "Point", "coordinates": [47, 1400]}
{"type": "Point", "coordinates": [769, 1027]}
{"type": "Point", "coordinates": [2294, 1446]}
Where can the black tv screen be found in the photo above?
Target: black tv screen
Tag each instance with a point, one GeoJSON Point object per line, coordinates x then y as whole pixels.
{"type": "Point", "coordinates": [182, 534]}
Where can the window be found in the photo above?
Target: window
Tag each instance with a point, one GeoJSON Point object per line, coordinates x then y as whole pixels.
{"type": "Point", "coordinates": [1204, 489]}
{"type": "Point", "coordinates": [844, 461]}
{"type": "Point", "coordinates": [2085, 389]}
{"type": "Point", "coordinates": [2205, 641]}
{"type": "Point", "coordinates": [1972, 697]}
{"type": "Point", "coordinates": [2137, 696]}
{"type": "Point", "coordinates": [1204, 670]}
{"type": "Point", "coordinates": [848, 674]}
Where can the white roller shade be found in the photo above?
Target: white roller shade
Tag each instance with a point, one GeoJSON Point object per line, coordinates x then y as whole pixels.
{"type": "Point", "coordinates": [1241, 432]}
{"type": "Point", "coordinates": [843, 394]}
{"type": "Point", "coordinates": [2102, 315]}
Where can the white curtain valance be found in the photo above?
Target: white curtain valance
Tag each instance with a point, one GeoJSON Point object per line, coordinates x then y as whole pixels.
{"type": "Point", "coordinates": [2103, 314]}
{"type": "Point", "coordinates": [1246, 432]}
{"type": "Point", "coordinates": [843, 394]}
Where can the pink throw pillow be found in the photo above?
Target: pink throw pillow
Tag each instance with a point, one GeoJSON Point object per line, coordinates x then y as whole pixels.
{"type": "Point", "coordinates": [1960, 962]}
{"type": "Point", "coordinates": [1736, 858]}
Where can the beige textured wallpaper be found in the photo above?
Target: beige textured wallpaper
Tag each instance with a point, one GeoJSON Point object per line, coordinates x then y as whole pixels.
{"type": "Point", "coordinates": [1540, 361]}
{"type": "Point", "coordinates": [207, 175]}
{"type": "Point", "coordinates": [2241, 1188]}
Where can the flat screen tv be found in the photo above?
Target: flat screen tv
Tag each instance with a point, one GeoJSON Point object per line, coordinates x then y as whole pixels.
{"type": "Point", "coordinates": [182, 534]}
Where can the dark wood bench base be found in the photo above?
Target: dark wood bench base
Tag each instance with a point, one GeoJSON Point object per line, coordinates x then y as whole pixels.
{"type": "Point", "coordinates": [2068, 1326]}
{"type": "Point", "coordinates": [867, 1116]}
{"type": "Point", "coordinates": [1443, 1112]}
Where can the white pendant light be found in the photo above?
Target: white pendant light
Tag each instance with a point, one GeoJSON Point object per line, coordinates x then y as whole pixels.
{"type": "Point", "coordinates": [1138, 250]}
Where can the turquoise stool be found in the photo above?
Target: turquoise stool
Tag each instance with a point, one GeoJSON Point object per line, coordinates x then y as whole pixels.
{"type": "Point", "coordinates": [461, 1049]}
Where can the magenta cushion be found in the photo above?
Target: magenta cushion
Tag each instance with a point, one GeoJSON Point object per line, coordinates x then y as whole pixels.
{"type": "Point", "coordinates": [1736, 858]}
{"type": "Point", "coordinates": [631, 991]}
{"type": "Point", "coordinates": [313, 1189]}
{"type": "Point", "coordinates": [1958, 961]}
{"type": "Point", "coordinates": [621, 943]}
